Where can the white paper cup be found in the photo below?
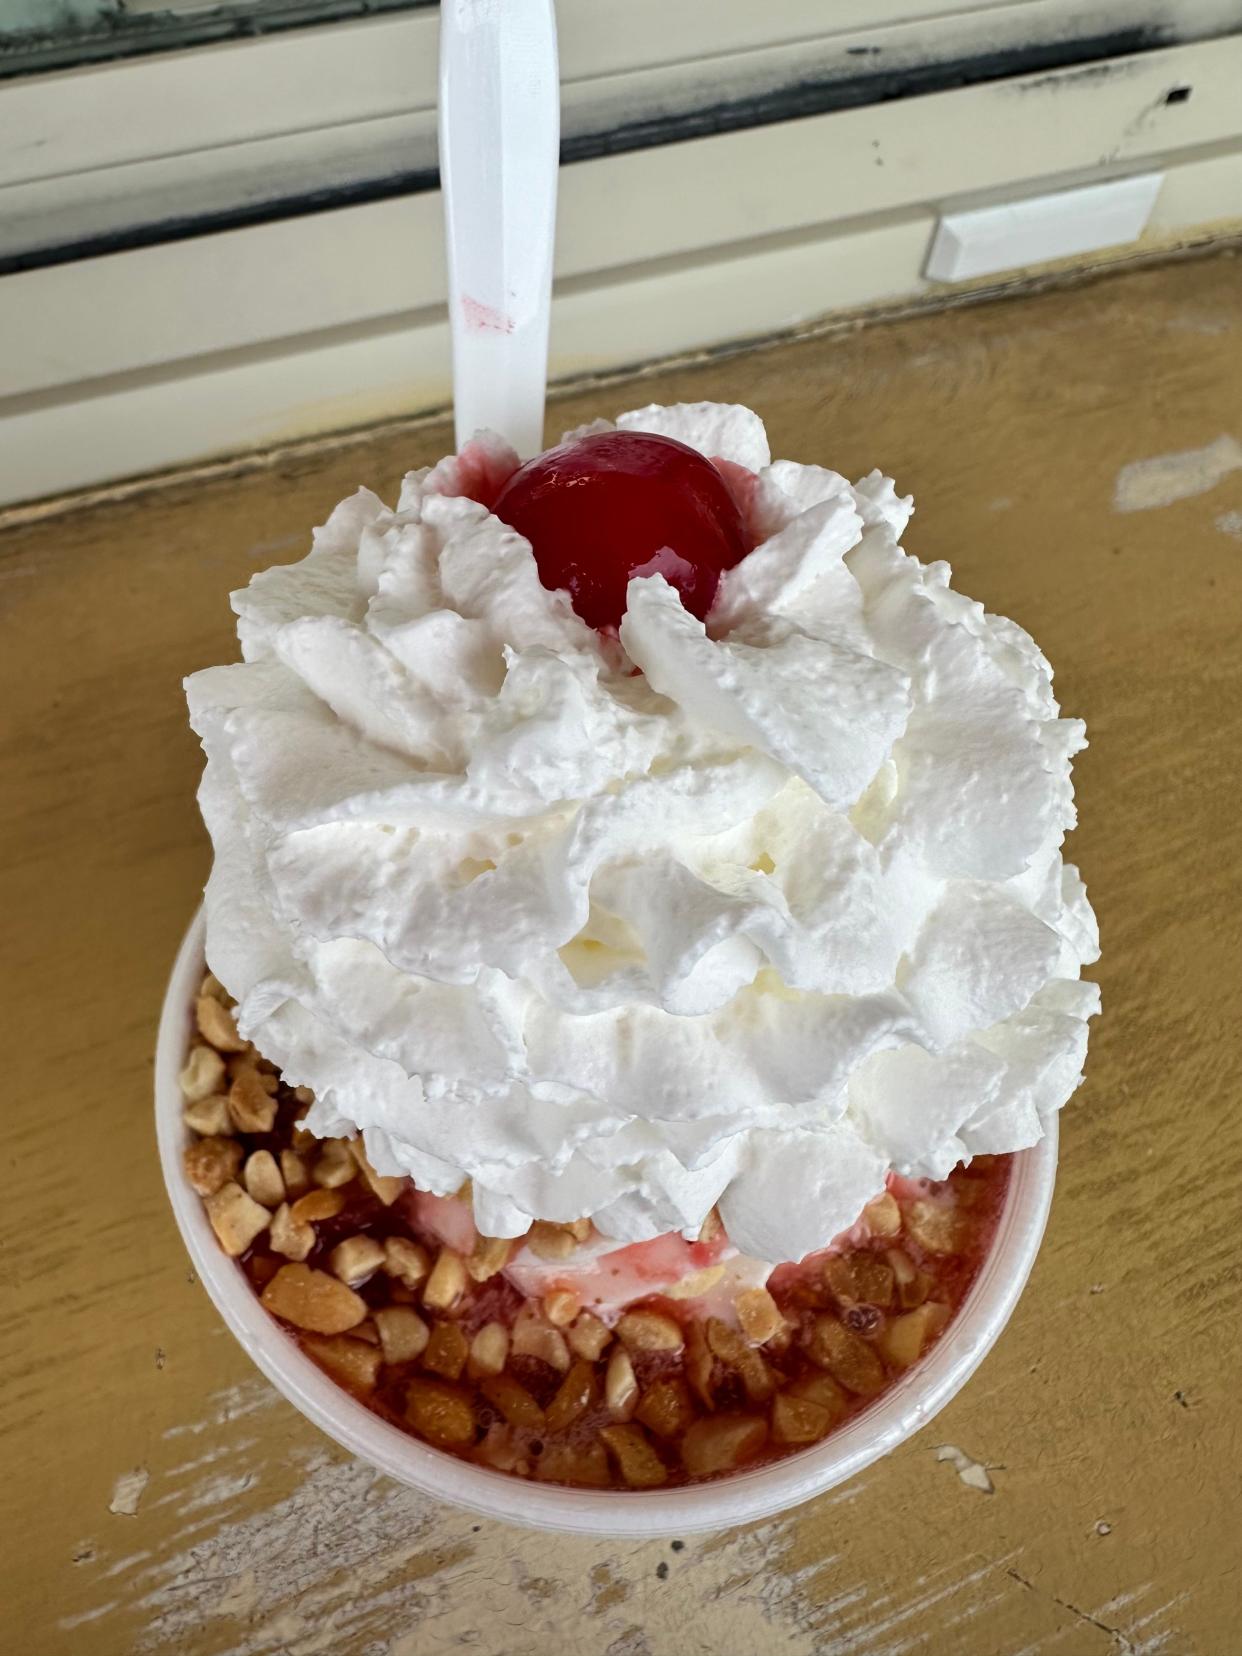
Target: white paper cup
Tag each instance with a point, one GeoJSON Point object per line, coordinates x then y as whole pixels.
{"type": "Point", "coordinates": [738, 1499]}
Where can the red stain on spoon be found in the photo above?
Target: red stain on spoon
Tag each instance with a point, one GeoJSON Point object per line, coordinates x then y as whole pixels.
{"type": "Point", "coordinates": [484, 318]}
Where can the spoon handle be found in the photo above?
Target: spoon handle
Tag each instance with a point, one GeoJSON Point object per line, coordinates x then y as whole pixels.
{"type": "Point", "coordinates": [499, 148]}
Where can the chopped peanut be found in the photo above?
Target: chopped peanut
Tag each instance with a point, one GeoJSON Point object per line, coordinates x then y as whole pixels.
{"type": "Point", "coordinates": [447, 1282]}
{"type": "Point", "coordinates": [209, 1116]}
{"type": "Point", "coordinates": [588, 1337]}
{"type": "Point", "coordinates": [317, 1205]}
{"type": "Point", "coordinates": [699, 1363]}
{"type": "Point", "coordinates": [780, 1342]}
{"type": "Point", "coordinates": [901, 1343]}
{"type": "Point", "coordinates": [403, 1333]}
{"type": "Point", "coordinates": [261, 1268]}
{"type": "Point", "coordinates": [203, 1074]}
{"type": "Point", "coordinates": [367, 1331]}
{"type": "Point", "coordinates": [759, 1315]}
{"type": "Point", "coordinates": [210, 1163]}
{"type": "Point", "coordinates": [489, 1256]}
{"type": "Point", "coordinates": [666, 1408]}
{"type": "Point", "coordinates": [407, 1261]}
{"type": "Point", "coordinates": [441, 1413]}
{"type": "Point", "coordinates": [798, 1420]}
{"type": "Point", "coordinates": [489, 1351]}
{"type": "Point", "coordinates": [846, 1356]}
{"type": "Point", "coordinates": [261, 1177]}
{"type": "Point", "coordinates": [447, 1350]}
{"type": "Point", "coordinates": [290, 1236]}
{"type": "Point", "coordinates": [722, 1442]}
{"type": "Point", "coordinates": [350, 1362]}
{"type": "Point", "coordinates": [576, 1393]}
{"type": "Point", "coordinates": [882, 1217]}
{"type": "Point", "coordinates": [356, 1258]}
{"type": "Point", "coordinates": [313, 1300]}
{"type": "Point", "coordinates": [940, 1315]}
{"type": "Point", "coordinates": [534, 1336]}
{"type": "Point", "coordinates": [913, 1285]}
{"type": "Point", "coordinates": [294, 1172]}
{"type": "Point", "coordinates": [808, 1292]}
{"type": "Point", "coordinates": [236, 1218]}
{"type": "Point", "coordinates": [336, 1166]}
{"type": "Point", "coordinates": [383, 1185]}
{"type": "Point", "coordinates": [650, 1331]}
{"type": "Point", "coordinates": [304, 1096]}
{"type": "Point", "coordinates": [212, 986]}
{"type": "Point", "coordinates": [620, 1386]}
{"type": "Point", "coordinates": [217, 1025]}
{"type": "Point", "coordinates": [561, 1306]}
{"type": "Point", "coordinates": [937, 1228]}
{"type": "Point", "coordinates": [252, 1108]}
{"type": "Point", "coordinates": [823, 1391]}
{"type": "Point", "coordinates": [548, 1241]}
{"type": "Point", "coordinates": [863, 1278]}
{"type": "Point", "coordinates": [636, 1460]}
{"type": "Point", "coordinates": [514, 1401]}
{"type": "Point", "coordinates": [246, 1058]}
{"type": "Point", "coordinates": [711, 1227]}
{"type": "Point", "coordinates": [583, 1464]}
{"type": "Point", "coordinates": [503, 1450]}
{"type": "Point", "coordinates": [734, 1352]}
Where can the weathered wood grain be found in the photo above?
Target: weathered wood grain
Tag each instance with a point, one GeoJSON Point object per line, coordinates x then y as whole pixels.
{"type": "Point", "coordinates": [1108, 1417]}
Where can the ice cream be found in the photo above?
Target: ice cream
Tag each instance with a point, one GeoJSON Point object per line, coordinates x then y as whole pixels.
{"type": "Point", "coordinates": [779, 912]}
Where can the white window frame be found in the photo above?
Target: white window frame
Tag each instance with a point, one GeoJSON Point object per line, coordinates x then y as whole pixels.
{"type": "Point", "coordinates": [114, 153]}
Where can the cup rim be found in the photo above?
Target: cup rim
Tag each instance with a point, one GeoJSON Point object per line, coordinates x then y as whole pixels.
{"type": "Point", "coordinates": [741, 1497]}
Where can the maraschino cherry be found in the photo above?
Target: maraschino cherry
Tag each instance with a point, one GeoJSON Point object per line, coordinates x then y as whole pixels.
{"type": "Point", "coordinates": [601, 509]}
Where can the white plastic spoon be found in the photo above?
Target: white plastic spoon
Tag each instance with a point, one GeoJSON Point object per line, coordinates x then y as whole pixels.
{"type": "Point", "coordinates": [499, 145]}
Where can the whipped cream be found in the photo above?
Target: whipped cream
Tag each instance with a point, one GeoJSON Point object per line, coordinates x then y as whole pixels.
{"type": "Point", "coordinates": [780, 913]}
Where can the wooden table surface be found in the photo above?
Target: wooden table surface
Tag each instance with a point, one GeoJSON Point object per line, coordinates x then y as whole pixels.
{"type": "Point", "coordinates": [159, 1497]}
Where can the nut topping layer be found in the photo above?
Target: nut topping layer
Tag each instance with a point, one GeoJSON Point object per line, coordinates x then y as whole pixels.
{"type": "Point", "coordinates": [693, 1384]}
